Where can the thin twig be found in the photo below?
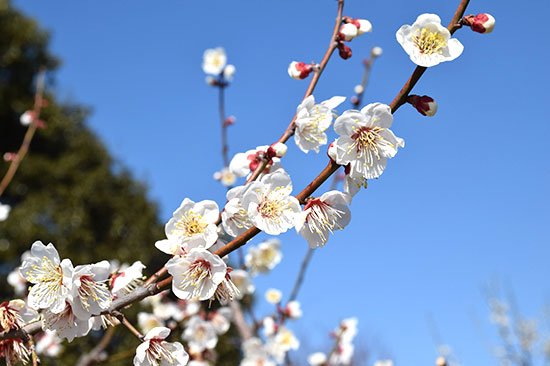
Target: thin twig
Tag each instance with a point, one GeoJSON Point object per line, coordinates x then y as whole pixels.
{"type": "Point", "coordinates": [223, 125]}
{"type": "Point", "coordinates": [27, 139]}
{"type": "Point", "coordinates": [301, 274]}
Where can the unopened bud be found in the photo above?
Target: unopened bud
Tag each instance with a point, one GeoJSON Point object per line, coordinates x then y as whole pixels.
{"type": "Point", "coordinates": [358, 89]}
{"type": "Point", "coordinates": [26, 118]}
{"type": "Point", "coordinates": [229, 72]}
{"type": "Point", "coordinates": [441, 361]}
{"type": "Point", "coordinates": [376, 52]}
{"type": "Point", "coordinates": [348, 31]}
{"type": "Point", "coordinates": [344, 51]}
{"type": "Point", "coordinates": [9, 156]}
{"type": "Point", "coordinates": [355, 101]}
{"type": "Point", "coordinates": [364, 26]}
{"type": "Point", "coordinates": [210, 80]}
{"type": "Point", "coordinates": [277, 150]}
{"type": "Point", "coordinates": [480, 23]}
{"type": "Point", "coordinates": [229, 121]}
{"type": "Point", "coordinates": [299, 70]}
{"type": "Point", "coordinates": [331, 152]}
{"type": "Point", "coordinates": [425, 105]}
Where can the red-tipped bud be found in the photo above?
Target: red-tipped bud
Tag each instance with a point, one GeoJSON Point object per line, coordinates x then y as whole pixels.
{"type": "Point", "coordinates": [348, 32]}
{"type": "Point", "coordinates": [9, 156]}
{"type": "Point", "coordinates": [229, 121]}
{"type": "Point", "coordinates": [331, 152]}
{"type": "Point", "coordinates": [480, 23]}
{"type": "Point", "coordinates": [355, 101]}
{"type": "Point", "coordinates": [344, 51]}
{"type": "Point", "coordinates": [277, 150]}
{"type": "Point", "coordinates": [425, 105]}
{"type": "Point", "coordinates": [299, 70]}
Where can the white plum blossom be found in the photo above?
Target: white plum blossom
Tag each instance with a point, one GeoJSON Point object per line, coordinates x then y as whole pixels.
{"type": "Point", "coordinates": [51, 278]}
{"type": "Point", "coordinates": [126, 278]}
{"type": "Point", "coordinates": [155, 351]}
{"type": "Point", "coordinates": [342, 355]}
{"type": "Point", "coordinates": [226, 177]}
{"type": "Point", "coordinates": [4, 211]}
{"type": "Point", "coordinates": [282, 342]}
{"type": "Point", "coordinates": [48, 343]}
{"type": "Point", "coordinates": [427, 42]}
{"type": "Point", "coordinates": [14, 314]}
{"type": "Point", "coordinates": [317, 359]}
{"type": "Point", "coordinates": [17, 281]}
{"type": "Point", "coordinates": [221, 319]}
{"type": "Point", "coordinates": [270, 326]}
{"type": "Point", "coordinates": [229, 72]}
{"type": "Point", "coordinates": [243, 164]}
{"type": "Point", "coordinates": [214, 61]}
{"type": "Point", "coordinates": [200, 335]}
{"type": "Point", "coordinates": [269, 204]}
{"type": "Point", "coordinates": [263, 257]}
{"type": "Point", "coordinates": [312, 120]}
{"type": "Point", "coordinates": [193, 225]}
{"type": "Point", "coordinates": [348, 31]}
{"type": "Point", "coordinates": [235, 219]}
{"type": "Point", "coordinates": [243, 282]}
{"type": "Point", "coordinates": [255, 353]}
{"type": "Point", "coordinates": [322, 216]}
{"type": "Point", "coordinates": [273, 296]}
{"type": "Point", "coordinates": [347, 330]}
{"type": "Point", "coordinates": [366, 142]}
{"type": "Point", "coordinates": [90, 291]}
{"type": "Point", "coordinates": [148, 321]}
{"type": "Point", "coordinates": [66, 324]}
{"type": "Point", "coordinates": [197, 274]}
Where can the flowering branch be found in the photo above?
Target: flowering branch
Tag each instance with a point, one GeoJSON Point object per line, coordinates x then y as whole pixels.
{"type": "Point", "coordinates": [24, 148]}
{"type": "Point", "coordinates": [401, 97]}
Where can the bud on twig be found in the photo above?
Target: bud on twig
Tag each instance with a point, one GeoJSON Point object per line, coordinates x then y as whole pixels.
{"type": "Point", "coordinates": [480, 23]}
{"type": "Point", "coordinates": [344, 51]}
{"type": "Point", "coordinates": [277, 150]}
{"type": "Point", "coordinates": [425, 104]}
{"type": "Point", "coordinates": [299, 70]}
{"type": "Point", "coordinates": [229, 121]}
{"type": "Point", "coordinates": [9, 156]}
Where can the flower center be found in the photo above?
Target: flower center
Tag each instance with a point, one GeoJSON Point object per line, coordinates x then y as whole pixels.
{"type": "Point", "coordinates": [191, 224]}
{"type": "Point", "coordinates": [157, 352]}
{"type": "Point", "coordinates": [428, 41]}
{"type": "Point", "coordinates": [9, 318]}
{"type": "Point", "coordinates": [367, 138]}
{"type": "Point", "coordinates": [92, 291]}
{"type": "Point", "coordinates": [322, 218]}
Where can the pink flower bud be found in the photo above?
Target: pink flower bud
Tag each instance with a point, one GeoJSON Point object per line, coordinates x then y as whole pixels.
{"type": "Point", "coordinates": [481, 23]}
{"type": "Point", "coordinates": [425, 105]}
{"type": "Point", "coordinates": [344, 51]}
{"type": "Point", "coordinates": [348, 32]}
{"type": "Point", "coordinates": [299, 70]}
{"type": "Point", "coordinates": [9, 156]}
{"type": "Point", "coordinates": [229, 121]}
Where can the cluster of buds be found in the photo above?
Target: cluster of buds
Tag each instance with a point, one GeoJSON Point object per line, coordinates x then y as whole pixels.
{"type": "Point", "coordinates": [214, 64]}
{"type": "Point", "coordinates": [350, 29]}
{"type": "Point", "coordinates": [480, 23]}
{"type": "Point", "coordinates": [425, 105]}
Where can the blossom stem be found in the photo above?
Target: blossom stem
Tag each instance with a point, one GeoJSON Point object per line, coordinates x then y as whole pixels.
{"type": "Point", "coordinates": [25, 145]}
{"type": "Point", "coordinates": [401, 97]}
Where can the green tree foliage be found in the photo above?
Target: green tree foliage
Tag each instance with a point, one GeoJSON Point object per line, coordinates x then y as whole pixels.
{"type": "Point", "coordinates": [68, 190]}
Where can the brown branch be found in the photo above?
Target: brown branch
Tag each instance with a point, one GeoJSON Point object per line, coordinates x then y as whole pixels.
{"type": "Point", "coordinates": [27, 139]}
{"type": "Point", "coordinates": [124, 321]}
{"type": "Point", "coordinates": [221, 108]}
{"type": "Point", "coordinates": [401, 97]}
{"type": "Point", "coordinates": [146, 291]}
{"type": "Point", "coordinates": [94, 355]}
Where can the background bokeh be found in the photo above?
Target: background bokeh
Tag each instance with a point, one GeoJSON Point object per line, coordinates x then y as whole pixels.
{"type": "Point", "coordinates": [464, 205]}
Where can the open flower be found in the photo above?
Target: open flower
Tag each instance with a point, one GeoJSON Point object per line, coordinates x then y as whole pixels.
{"type": "Point", "coordinates": [15, 314]}
{"type": "Point", "coordinates": [263, 257]}
{"type": "Point", "coordinates": [312, 120]}
{"type": "Point", "coordinates": [214, 61]}
{"type": "Point", "coordinates": [191, 226]}
{"type": "Point", "coordinates": [155, 351]}
{"type": "Point", "coordinates": [241, 279]}
{"type": "Point", "coordinates": [51, 278]}
{"type": "Point", "coordinates": [270, 206]}
{"type": "Point", "coordinates": [200, 335]}
{"type": "Point", "coordinates": [197, 274]}
{"type": "Point", "coordinates": [427, 42]}
{"type": "Point", "coordinates": [14, 350]}
{"type": "Point", "coordinates": [90, 291]}
{"type": "Point", "coordinates": [235, 219]}
{"type": "Point", "coordinates": [65, 323]}
{"type": "Point", "coordinates": [322, 216]}
{"type": "Point", "coordinates": [127, 278]}
{"type": "Point", "coordinates": [366, 142]}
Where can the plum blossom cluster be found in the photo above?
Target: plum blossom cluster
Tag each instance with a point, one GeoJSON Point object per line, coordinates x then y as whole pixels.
{"type": "Point", "coordinates": [215, 66]}
{"type": "Point", "coordinates": [343, 349]}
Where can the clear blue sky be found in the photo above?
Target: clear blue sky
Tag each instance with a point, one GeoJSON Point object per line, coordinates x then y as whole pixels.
{"type": "Point", "coordinates": [464, 204]}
